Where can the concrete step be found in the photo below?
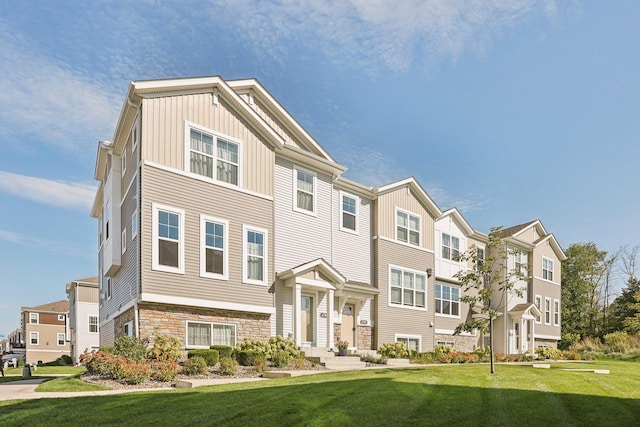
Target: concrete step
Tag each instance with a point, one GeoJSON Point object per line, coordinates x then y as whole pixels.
{"type": "Point", "coordinates": [345, 363]}
{"type": "Point", "coordinates": [317, 352]}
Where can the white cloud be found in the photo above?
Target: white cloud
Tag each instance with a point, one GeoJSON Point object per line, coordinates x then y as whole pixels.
{"type": "Point", "coordinates": [446, 200]}
{"type": "Point", "coordinates": [45, 244]}
{"type": "Point", "coordinates": [44, 98]}
{"type": "Point", "coordinates": [74, 195]}
{"type": "Point", "coordinates": [378, 33]}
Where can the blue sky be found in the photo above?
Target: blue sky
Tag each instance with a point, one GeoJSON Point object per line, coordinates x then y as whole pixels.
{"type": "Point", "coordinates": [509, 110]}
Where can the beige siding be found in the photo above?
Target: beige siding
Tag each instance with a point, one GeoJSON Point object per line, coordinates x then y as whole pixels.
{"type": "Point", "coordinates": [87, 294]}
{"type": "Point", "coordinates": [163, 134]}
{"type": "Point", "coordinates": [545, 250]}
{"type": "Point", "coordinates": [396, 320]}
{"type": "Point", "coordinates": [195, 198]}
{"type": "Point", "coordinates": [275, 124]}
{"type": "Point", "coordinates": [403, 198]}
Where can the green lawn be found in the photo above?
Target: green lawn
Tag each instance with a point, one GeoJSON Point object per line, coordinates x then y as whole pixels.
{"type": "Point", "coordinates": [442, 395]}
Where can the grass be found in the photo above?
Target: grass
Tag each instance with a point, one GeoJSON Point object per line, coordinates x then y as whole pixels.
{"type": "Point", "coordinates": [441, 395]}
{"type": "Point", "coordinates": [66, 384]}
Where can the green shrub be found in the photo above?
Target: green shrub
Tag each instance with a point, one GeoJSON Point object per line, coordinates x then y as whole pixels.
{"type": "Point", "coordinates": [397, 350]}
{"type": "Point", "coordinates": [66, 360]}
{"type": "Point", "coordinates": [116, 367]}
{"type": "Point", "coordinates": [249, 357]}
{"type": "Point", "coordinates": [617, 341]}
{"type": "Point", "coordinates": [281, 359]}
{"type": "Point", "coordinates": [96, 362]}
{"type": "Point", "coordinates": [195, 365]}
{"type": "Point", "coordinates": [260, 364]}
{"type": "Point", "coordinates": [568, 340]}
{"type": "Point", "coordinates": [130, 347]}
{"type": "Point", "coordinates": [164, 370]}
{"type": "Point", "coordinates": [210, 357]}
{"type": "Point", "coordinates": [165, 347]}
{"type": "Point", "coordinates": [223, 350]}
{"type": "Point", "coordinates": [269, 348]}
{"type": "Point", "coordinates": [228, 366]}
{"type": "Point", "coordinates": [549, 353]}
{"type": "Point", "coordinates": [136, 371]}
{"type": "Point", "coordinates": [376, 360]}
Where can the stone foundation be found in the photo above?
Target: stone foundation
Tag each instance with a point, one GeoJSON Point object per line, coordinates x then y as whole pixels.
{"type": "Point", "coordinates": [120, 321]}
{"type": "Point", "coordinates": [545, 343]}
{"type": "Point", "coordinates": [460, 342]}
{"type": "Point", "coordinates": [365, 336]}
{"type": "Point", "coordinates": [172, 320]}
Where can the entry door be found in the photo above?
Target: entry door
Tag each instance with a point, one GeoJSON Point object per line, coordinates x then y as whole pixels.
{"type": "Point", "coordinates": [348, 332]}
{"type": "Point", "coordinates": [306, 309]}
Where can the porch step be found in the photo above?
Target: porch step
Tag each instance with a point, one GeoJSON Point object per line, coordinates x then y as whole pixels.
{"type": "Point", "coordinates": [344, 363]}
{"type": "Point", "coordinates": [317, 353]}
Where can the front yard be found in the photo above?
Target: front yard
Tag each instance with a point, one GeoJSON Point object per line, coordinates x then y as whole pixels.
{"type": "Point", "coordinates": [433, 395]}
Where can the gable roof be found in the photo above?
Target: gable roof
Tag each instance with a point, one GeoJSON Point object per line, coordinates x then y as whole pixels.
{"type": "Point", "coordinates": [513, 232]}
{"type": "Point", "coordinates": [417, 190]}
{"type": "Point", "coordinates": [61, 306]}
{"type": "Point", "coordinates": [517, 229]}
{"type": "Point", "coordinates": [460, 220]}
{"type": "Point", "coordinates": [320, 264]}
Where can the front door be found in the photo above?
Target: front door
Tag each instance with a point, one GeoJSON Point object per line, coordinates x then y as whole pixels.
{"type": "Point", "coordinates": [348, 331]}
{"type": "Point", "coordinates": [306, 309]}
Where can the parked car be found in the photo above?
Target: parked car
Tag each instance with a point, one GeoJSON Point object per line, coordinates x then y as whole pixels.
{"type": "Point", "coordinates": [12, 359]}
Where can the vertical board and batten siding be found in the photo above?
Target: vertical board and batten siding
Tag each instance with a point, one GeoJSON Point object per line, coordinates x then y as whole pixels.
{"type": "Point", "coordinates": [301, 237]}
{"type": "Point", "coordinates": [163, 134]}
{"type": "Point", "coordinates": [402, 198]}
{"type": "Point", "coordinates": [352, 253]}
{"type": "Point", "coordinates": [397, 320]}
{"type": "Point", "coordinates": [87, 294]}
{"type": "Point", "coordinates": [195, 198]}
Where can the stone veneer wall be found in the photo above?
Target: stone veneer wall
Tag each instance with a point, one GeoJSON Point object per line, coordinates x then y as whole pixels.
{"type": "Point", "coordinates": [172, 320]}
{"type": "Point", "coordinates": [365, 336]}
{"type": "Point", "coordinates": [120, 321]}
{"type": "Point", "coordinates": [460, 343]}
{"type": "Point", "coordinates": [545, 343]}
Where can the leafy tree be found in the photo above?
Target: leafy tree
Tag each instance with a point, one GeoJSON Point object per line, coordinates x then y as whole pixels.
{"type": "Point", "coordinates": [582, 283]}
{"type": "Point", "coordinates": [488, 283]}
{"type": "Point", "coordinates": [625, 312]}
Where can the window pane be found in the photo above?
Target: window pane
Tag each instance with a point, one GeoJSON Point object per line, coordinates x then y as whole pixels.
{"type": "Point", "coordinates": [408, 280]}
{"type": "Point", "coordinates": [349, 204]}
{"type": "Point", "coordinates": [168, 253]}
{"type": "Point", "coordinates": [438, 306]}
{"type": "Point", "coordinates": [395, 278]}
{"type": "Point", "coordinates": [420, 299]}
{"type": "Point", "coordinates": [414, 237]}
{"type": "Point", "coordinates": [438, 291]}
{"type": "Point", "coordinates": [446, 307]}
{"type": "Point", "coordinates": [199, 334]}
{"type": "Point", "coordinates": [396, 296]}
{"type": "Point", "coordinates": [455, 309]}
{"type": "Point", "coordinates": [414, 223]}
{"type": "Point", "coordinates": [401, 219]}
{"type": "Point", "coordinates": [214, 261]}
{"type": "Point", "coordinates": [255, 268]}
{"type": "Point", "coordinates": [408, 297]}
{"type": "Point", "coordinates": [223, 335]}
{"type": "Point", "coordinates": [402, 234]}
{"type": "Point", "coordinates": [348, 221]}
{"type": "Point", "coordinates": [420, 282]}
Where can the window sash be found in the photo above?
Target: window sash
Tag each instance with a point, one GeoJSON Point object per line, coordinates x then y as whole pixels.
{"type": "Point", "coordinates": [450, 247]}
{"type": "Point", "coordinates": [93, 324]}
{"type": "Point", "coordinates": [349, 212]}
{"type": "Point", "coordinates": [447, 300]}
{"type": "Point", "coordinates": [255, 256]}
{"type": "Point", "coordinates": [305, 190]}
{"type": "Point", "coordinates": [60, 338]}
{"type": "Point", "coordinates": [208, 334]}
{"type": "Point", "coordinates": [407, 288]}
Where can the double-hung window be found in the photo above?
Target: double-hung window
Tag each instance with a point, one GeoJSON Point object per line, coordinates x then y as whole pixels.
{"type": "Point", "coordinates": [204, 335]}
{"type": "Point", "coordinates": [450, 247]}
{"type": "Point", "coordinates": [93, 324]}
{"type": "Point", "coordinates": [547, 269]}
{"type": "Point", "coordinates": [479, 257]}
{"type": "Point", "coordinates": [134, 224]}
{"type": "Point", "coordinates": [168, 239]}
{"type": "Point", "coordinates": [34, 338]}
{"type": "Point", "coordinates": [213, 247]}
{"type": "Point", "coordinates": [447, 300]}
{"type": "Point", "coordinates": [349, 206]}
{"type": "Point", "coordinates": [407, 227]}
{"type": "Point", "coordinates": [60, 339]}
{"type": "Point", "coordinates": [209, 151]}
{"type": "Point", "coordinates": [34, 317]}
{"type": "Point", "coordinates": [538, 303]}
{"type": "Point", "coordinates": [547, 311]}
{"type": "Point", "coordinates": [254, 255]}
{"type": "Point", "coordinates": [517, 258]}
{"type": "Point", "coordinates": [556, 312]}
{"type": "Point", "coordinates": [407, 288]}
{"type": "Point", "coordinates": [304, 183]}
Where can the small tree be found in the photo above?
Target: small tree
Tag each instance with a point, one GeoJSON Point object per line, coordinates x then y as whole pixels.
{"type": "Point", "coordinates": [488, 284]}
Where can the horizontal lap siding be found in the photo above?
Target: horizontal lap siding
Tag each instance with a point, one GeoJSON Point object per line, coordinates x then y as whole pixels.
{"type": "Point", "coordinates": [392, 320]}
{"type": "Point", "coordinates": [163, 134]}
{"type": "Point", "coordinates": [301, 237]}
{"type": "Point", "coordinates": [196, 197]}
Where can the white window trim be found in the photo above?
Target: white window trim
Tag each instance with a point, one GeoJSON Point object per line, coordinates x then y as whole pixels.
{"type": "Point", "coordinates": [297, 168]}
{"type": "Point", "coordinates": [539, 322]}
{"type": "Point", "coordinates": [187, 153]}
{"type": "Point", "coordinates": [61, 317]}
{"type": "Point", "coordinates": [409, 336]}
{"type": "Point", "coordinates": [134, 221]}
{"type": "Point", "coordinates": [37, 315]}
{"type": "Point", "coordinates": [109, 287]}
{"type": "Point", "coordinates": [451, 248]}
{"type": "Point", "coordinates": [89, 324]}
{"type": "Point", "coordinates": [100, 229]}
{"type": "Point", "coordinates": [395, 229]}
{"type": "Point", "coordinates": [123, 240]}
{"type": "Point", "coordinates": [211, 324]}
{"type": "Point", "coordinates": [64, 338]}
{"type": "Point", "coordinates": [552, 269]}
{"type": "Point", "coordinates": [451, 316]}
{"type": "Point", "coordinates": [155, 265]}
{"type": "Point", "coordinates": [546, 299]}
{"type": "Point", "coordinates": [129, 326]}
{"type": "Point", "coordinates": [135, 134]}
{"type": "Point", "coordinates": [37, 338]}
{"type": "Point", "coordinates": [203, 254]}
{"type": "Point", "coordinates": [265, 263]}
{"type": "Point", "coordinates": [357, 213]}
{"type": "Point", "coordinates": [408, 307]}
{"type": "Point", "coordinates": [123, 162]}
{"type": "Point", "coordinates": [556, 304]}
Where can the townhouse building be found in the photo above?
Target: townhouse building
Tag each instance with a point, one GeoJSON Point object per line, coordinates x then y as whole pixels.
{"type": "Point", "coordinates": [221, 218]}
{"type": "Point", "coordinates": [83, 320]}
{"type": "Point", "coordinates": [45, 331]}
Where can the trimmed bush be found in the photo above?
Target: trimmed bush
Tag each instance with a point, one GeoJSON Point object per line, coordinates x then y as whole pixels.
{"type": "Point", "coordinates": [396, 350]}
{"type": "Point", "coordinates": [228, 366]}
{"type": "Point", "coordinates": [210, 357]}
{"type": "Point", "coordinates": [164, 370]}
{"type": "Point", "coordinates": [260, 364]}
{"type": "Point", "coordinates": [223, 350]}
{"type": "Point", "coordinates": [549, 353]}
{"type": "Point", "coordinates": [281, 359]}
{"type": "Point", "coordinates": [136, 371]}
{"type": "Point", "coordinates": [195, 365]}
{"type": "Point", "coordinates": [249, 357]}
{"type": "Point", "coordinates": [617, 341]}
{"type": "Point", "coordinates": [130, 347]}
{"type": "Point", "coordinates": [165, 347]}
{"type": "Point", "coordinates": [369, 358]}
{"type": "Point", "coordinates": [270, 347]}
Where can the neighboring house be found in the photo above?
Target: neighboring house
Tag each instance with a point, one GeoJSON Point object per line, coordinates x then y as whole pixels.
{"type": "Point", "coordinates": [221, 219]}
{"type": "Point", "coordinates": [45, 331]}
{"type": "Point", "coordinates": [84, 333]}
{"type": "Point", "coordinates": [16, 339]}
